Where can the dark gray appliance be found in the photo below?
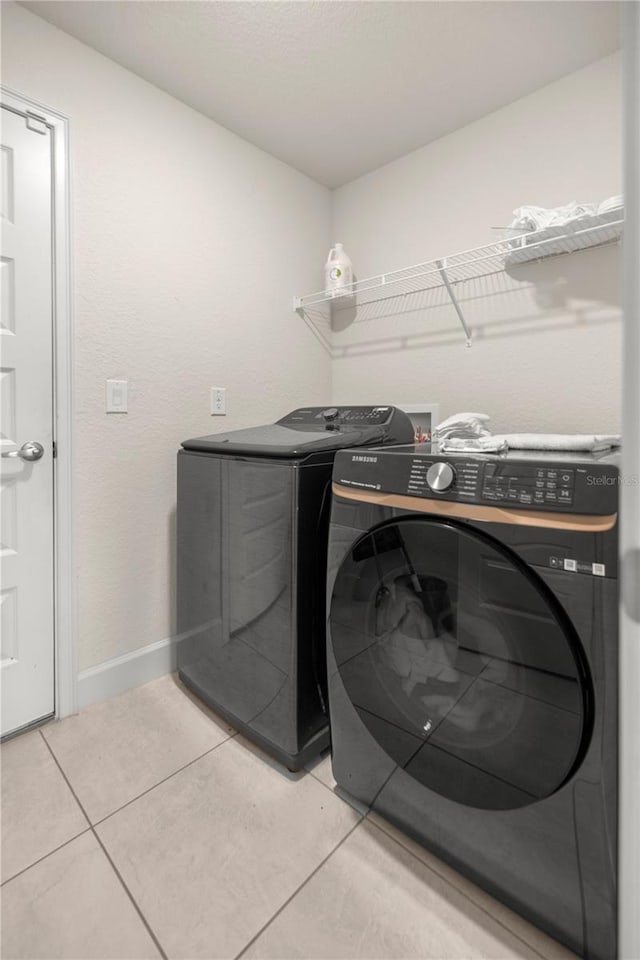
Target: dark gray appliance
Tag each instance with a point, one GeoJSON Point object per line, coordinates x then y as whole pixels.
{"type": "Point", "coordinates": [252, 525]}
{"type": "Point", "coordinates": [473, 667]}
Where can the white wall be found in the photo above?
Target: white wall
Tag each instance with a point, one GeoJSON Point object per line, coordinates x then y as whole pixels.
{"type": "Point", "coordinates": [546, 355]}
{"type": "Point", "coordinates": [189, 245]}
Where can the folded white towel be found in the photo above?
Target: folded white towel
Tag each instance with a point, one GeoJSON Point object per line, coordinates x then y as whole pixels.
{"type": "Point", "coordinates": [462, 425]}
{"type": "Point", "coordinates": [531, 218]}
{"type": "Point", "coordinates": [486, 444]}
{"type": "Point", "coordinates": [611, 203]}
{"type": "Point", "coordinates": [557, 441]}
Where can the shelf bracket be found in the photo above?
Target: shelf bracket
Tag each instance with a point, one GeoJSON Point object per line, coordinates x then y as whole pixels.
{"type": "Point", "coordinates": [442, 269]}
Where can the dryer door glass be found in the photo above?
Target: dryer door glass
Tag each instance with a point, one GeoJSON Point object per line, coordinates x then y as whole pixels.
{"type": "Point", "coordinates": [461, 663]}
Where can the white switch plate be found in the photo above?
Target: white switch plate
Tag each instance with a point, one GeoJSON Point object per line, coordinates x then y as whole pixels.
{"type": "Point", "coordinates": [117, 391]}
{"type": "Point", "coordinates": [218, 401]}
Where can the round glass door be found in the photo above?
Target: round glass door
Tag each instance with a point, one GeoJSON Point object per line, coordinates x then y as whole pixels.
{"type": "Point", "coordinates": [461, 663]}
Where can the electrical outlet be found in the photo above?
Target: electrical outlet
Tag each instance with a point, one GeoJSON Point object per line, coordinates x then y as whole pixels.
{"type": "Point", "coordinates": [218, 401]}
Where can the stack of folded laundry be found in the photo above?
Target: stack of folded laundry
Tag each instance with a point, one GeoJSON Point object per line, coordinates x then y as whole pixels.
{"type": "Point", "coordinates": [530, 218]}
{"type": "Point", "coordinates": [545, 231]}
{"type": "Point", "coordinates": [539, 218]}
{"type": "Point", "coordinates": [468, 432]}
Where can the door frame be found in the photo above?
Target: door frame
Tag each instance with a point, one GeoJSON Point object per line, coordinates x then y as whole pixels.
{"type": "Point", "coordinates": [629, 750]}
{"type": "Point", "coordinates": [65, 620]}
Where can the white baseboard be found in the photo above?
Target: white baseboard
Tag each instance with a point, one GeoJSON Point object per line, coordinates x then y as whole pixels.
{"type": "Point", "coordinates": [130, 670]}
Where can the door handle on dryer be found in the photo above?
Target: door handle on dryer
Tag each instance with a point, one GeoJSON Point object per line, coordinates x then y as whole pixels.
{"type": "Point", "coordinates": [31, 450]}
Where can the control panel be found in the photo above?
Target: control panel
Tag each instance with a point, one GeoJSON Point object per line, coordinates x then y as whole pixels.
{"type": "Point", "coordinates": [577, 486]}
{"type": "Point", "coordinates": [509, 482]}
{"type": "Point", "coordinates": [527, 484]}
{"type": "Point", "coordinates": [356, 416]}
{"type": "Point", "coordinates": [438, 476]}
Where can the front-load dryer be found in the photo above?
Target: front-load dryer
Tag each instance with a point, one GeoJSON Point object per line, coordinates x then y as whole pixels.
{"type": "Point", "coordinates": [472, 669]}
{"type": "Point", "coordinates": [252, 526]}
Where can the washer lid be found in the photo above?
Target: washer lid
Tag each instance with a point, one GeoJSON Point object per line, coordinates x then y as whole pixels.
{"type": "Point", "coordinates": [310, 430]}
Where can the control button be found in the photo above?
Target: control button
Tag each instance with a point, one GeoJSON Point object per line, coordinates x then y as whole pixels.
{"type": "Point", "coordinates": [489, 469]}
{"type": "Point", "coordinates": [550, 496]}
{"type": "Point", "coordinates": [440, 476]}
{"type": "Point", "coordinates": [552, 474]}
{"type": "Point", "coordinates": [565, 495]}
{"type": "Point", "coordinates": [552, 485]}
{"type": "Point", "coordinates": [566, 476]}
{"type": "Point", "coordinates": [539, 496]}
{"type": "Point", "coordinates": [512, 495]}
{"type": "Point", "coordinates": [540, 474]}
{"type": "Point", "coordinates": [540, 484]}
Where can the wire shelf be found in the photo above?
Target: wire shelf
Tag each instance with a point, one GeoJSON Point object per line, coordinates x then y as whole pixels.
{"type": "Point", "coordinates": [577, 234]}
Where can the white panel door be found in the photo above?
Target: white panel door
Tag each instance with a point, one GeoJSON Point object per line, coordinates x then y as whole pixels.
{"type": "Point", "coordinates": [26, 417]}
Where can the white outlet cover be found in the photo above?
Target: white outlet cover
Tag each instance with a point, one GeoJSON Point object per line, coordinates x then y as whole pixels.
{"type": "Point", "coordinates": [218, 401]}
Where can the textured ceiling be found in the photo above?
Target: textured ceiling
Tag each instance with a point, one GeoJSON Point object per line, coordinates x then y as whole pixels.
{"type": "Point", "coordinates": [337, 89]}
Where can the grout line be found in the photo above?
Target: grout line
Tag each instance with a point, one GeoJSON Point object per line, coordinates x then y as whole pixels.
{"type": "Point", "coordinates": [65, 778]}
{"type": "Point", "coordinates": [336, 791]}
{"type": "Point", "coordinates": [459, 890]}
{"type": "Point", "coordinates": [131, 897]}
{"type": "Point", "coordinates": [296, 892]}
{"type": "Point", "coordinates": [44, 857]}
{"type": "Point", "coordinates": [164, 779]}
{"type": "Point", "coordinates": [312, 774]}
{"type": "Point", "coordinates": [318, 780]}
{"type": "Point", "coordinates": [104, 850]}
{"type": "Point", "coordinates": [149, 789]}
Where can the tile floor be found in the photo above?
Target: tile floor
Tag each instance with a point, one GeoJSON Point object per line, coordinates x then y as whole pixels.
{"type": "Point", "coordinates": [145, 827]}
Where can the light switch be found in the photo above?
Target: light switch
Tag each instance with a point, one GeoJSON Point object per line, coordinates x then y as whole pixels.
{"type": "Point", "coordinates": [117, 396]}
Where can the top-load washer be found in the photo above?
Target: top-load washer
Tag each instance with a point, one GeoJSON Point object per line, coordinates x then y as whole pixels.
{"type": "Point", "coordinates": [473, 668]}
{"type": "Point", "coordinates": [252, 525]}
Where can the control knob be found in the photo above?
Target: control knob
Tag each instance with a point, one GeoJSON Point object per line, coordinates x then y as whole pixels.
{"type": "Point", "coordinates": [440, 476]}
{"type": "Point", "coordinates": [330, 414]}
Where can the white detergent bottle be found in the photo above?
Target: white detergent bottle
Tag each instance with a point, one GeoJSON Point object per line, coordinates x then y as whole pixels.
{"type": "Point", "coordinates": [338, 272]}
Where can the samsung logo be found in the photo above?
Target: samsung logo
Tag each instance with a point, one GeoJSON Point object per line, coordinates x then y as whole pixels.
{"type": "Point", "coordinates": [358, 458]}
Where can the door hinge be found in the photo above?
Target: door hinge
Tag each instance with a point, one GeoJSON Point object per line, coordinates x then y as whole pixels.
{"type": "Point", "coordinates": [36, 124]}
{"type": "Point", "coordinates": [55, 449]}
